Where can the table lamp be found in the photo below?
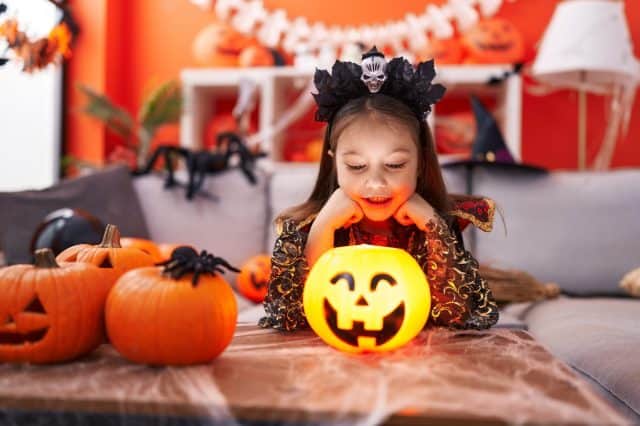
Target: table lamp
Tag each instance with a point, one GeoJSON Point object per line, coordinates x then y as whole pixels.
{"type": "Point", "coordinates": [587, 47]}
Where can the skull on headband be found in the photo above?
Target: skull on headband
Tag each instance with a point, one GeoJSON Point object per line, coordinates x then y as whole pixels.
{"type": "Point", "coordinates": [374, 70]}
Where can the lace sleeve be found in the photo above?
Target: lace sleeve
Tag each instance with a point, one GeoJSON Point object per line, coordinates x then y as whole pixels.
{"type": "Point", "coordinates": [460, 297]}
{"type": "Point", "coordinates": [289, 269]}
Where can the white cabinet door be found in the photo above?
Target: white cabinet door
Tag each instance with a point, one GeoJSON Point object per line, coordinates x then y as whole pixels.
{"type": "Point", "coordinates": [30, 108]}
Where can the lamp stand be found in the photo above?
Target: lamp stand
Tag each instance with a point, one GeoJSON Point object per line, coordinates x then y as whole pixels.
{"type": "Point", "coordinates": [582, 129]}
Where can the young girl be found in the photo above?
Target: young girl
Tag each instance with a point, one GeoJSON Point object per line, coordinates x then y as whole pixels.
{"type": "Point", "coordinates": [380, 183]}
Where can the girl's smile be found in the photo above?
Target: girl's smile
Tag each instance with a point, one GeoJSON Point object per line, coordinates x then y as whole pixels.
{"type": "Point", "coordinates": [376, 162]}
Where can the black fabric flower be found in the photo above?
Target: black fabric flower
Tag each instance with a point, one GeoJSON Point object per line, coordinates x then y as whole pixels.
{"type": "Point", "coordinates": [413, 87]}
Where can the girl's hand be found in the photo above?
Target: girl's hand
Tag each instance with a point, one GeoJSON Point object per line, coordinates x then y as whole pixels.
{"type": "Point", "coordinates": [416, 210]}
{"type": "Point", "coordinates": [340, 211]}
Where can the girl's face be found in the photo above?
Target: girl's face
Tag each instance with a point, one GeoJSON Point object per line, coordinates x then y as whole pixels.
{"type": "Point", "coordinates": [377, 166]}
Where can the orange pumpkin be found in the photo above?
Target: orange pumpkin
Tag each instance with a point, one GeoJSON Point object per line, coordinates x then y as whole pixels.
{"type": "Point", "coordinates": [254, 278]}
{"type": "Point", "coordinates": [166, 249]}
{"type": "Point", "coordinates": [175, 315]}
{"type": "Point", "coordinates": [444, 51]}
{"type": "Point", "coordinates": [50, 312]}
{"type": "Point", "coordinates": [493, 41]}
{"type": "Point", "coordinates": [256, 56]}
{"type": "Point", "coordinates": [146, 246]}
{"type": "Point", "coordinates": [219, 45]}
{"type": "Point", "coordinates": [109, 255]}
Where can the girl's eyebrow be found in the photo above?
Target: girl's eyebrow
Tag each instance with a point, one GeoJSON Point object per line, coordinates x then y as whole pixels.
{"type": "Point", "coordinates": [405, 150]}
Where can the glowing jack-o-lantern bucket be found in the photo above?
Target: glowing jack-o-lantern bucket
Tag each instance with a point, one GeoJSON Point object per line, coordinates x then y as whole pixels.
{"type": "Point", "coordinates": [366, 298]}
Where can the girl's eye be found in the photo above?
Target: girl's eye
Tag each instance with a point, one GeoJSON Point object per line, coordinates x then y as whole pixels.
{"type": "Point", "coordinates": [356, 166]}
{"type": "Point", "coordinates": [396, 166]}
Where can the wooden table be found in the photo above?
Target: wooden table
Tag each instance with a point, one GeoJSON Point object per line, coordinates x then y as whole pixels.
{"type": "Point", "coordinates": [486, 377]}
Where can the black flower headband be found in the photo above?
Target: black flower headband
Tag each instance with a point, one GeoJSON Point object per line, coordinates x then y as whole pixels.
{"type": "Point", "coordinates": [397, 79]}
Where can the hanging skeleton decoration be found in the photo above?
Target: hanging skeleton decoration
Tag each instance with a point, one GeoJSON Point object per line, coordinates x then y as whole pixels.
{"type": "Point", "coordinates": [374, 70]}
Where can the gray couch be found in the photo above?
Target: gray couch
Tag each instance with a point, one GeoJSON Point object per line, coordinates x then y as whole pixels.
{"type": "Point", "coordinates": [579, 230]}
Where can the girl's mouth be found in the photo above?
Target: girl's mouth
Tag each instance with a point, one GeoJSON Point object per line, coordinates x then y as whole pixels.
{"type": "Point", "coordinates": [378, 201]}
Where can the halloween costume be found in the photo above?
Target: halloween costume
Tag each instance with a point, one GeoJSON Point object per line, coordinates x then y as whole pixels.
{"type": "Point", "coordinates": [460, 297]}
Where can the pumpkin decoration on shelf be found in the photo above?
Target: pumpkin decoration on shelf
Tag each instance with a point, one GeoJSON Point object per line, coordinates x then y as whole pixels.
{"type": "Point", "coordinates": [109, 255]}
{"type": "Point", "coordinates": [444, 51]}
{"type": "Point", "coordinates": [366, 298]}
{"type": "Point", "coordinates": [254, 278]}
{"type": "Point", "coordinates": [145, 245]}
{"type": "Point", "coordinates": [180, 314]}
{"type": "Point", "coordinates": [256, 56]}
{"type": "Point", "coordinates": [50, 312]}
{"type": "Point", "coordinates": [493, 41]}
{"type": "Point", "coordinates": [219, 45]}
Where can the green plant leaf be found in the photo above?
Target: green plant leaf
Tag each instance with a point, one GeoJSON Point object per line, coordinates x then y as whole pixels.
{"type": "Point", "coordinates": [162, 106]}
{"type": "Point", "coordinates": [115, 118]}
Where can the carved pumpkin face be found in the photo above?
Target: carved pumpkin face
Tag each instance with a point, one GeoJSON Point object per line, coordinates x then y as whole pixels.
{"type": "Point", "coordinates": [50, 312]}
{"type": "Point", "coordinates": [366, 298]}
{"type": "Point", "coordinates": [254, 277]}
{"type": "Point", "coordinates": [443, 51]}
{"type": "Point", "coordinates": [494, 41]}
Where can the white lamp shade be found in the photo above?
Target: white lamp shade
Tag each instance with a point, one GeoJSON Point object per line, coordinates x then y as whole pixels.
{"type": "Point", "coordinates": [587, 43]}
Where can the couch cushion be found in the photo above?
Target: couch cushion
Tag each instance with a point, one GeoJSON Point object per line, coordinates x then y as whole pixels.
{"type": "Point", "coordinates": [107, 194]}
{"type": "Point", "coordinates": [598, 336]}
{"type": "Point", "coordinates": [291, 184]}
{"type": "Point", "coordinates": [580, 230]}
{"type": "Point", "coordinates": [232, 227]}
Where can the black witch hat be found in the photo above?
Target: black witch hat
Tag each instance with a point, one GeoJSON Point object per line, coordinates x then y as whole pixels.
{"type": "Point", "coordinates": [489, 148]}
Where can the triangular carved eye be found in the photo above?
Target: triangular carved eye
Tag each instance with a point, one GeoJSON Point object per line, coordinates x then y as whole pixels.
{"type": "Point", "coordinates": [72, 258]}
{"type": "Point", "coordinates": [35, 306]}
{"type": "Point", "coordinates": [5, 321]}
{"type": "Point", "coordinates": [106, 263]}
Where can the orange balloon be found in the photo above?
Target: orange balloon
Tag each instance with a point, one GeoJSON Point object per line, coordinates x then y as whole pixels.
{"type": "Point", "coordinates": [254, 276]}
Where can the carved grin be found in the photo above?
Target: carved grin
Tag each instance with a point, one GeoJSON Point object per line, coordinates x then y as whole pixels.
{"type": "Point", "coordinates": [494, 46]}
{"type": "Point", "coordinates": [15, 338]}
{"type": "Point", "coordinates": [391, 326]}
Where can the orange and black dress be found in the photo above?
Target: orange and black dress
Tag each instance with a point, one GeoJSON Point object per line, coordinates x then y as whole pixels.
{"type": "Point", "coordinates": [460, 297]}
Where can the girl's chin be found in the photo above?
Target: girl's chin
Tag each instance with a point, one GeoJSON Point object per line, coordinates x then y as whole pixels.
{"type": "Point", "coordinates": [378, 216]}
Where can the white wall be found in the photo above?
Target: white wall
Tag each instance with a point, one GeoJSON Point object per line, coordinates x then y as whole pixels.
{"type": "Point", "coordinates": [30, 115]}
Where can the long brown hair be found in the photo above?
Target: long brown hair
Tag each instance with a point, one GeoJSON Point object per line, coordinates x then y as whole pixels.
{"type": "Point", "coordinates": [429, 185]}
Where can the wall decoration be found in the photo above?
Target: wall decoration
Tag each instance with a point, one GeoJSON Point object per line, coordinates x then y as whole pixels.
{"type": "Point", "coordinates": [274, 28]}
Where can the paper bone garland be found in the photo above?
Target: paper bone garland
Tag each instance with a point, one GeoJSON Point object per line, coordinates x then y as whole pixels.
{"type": "Point", "coordinates": [274, 27]}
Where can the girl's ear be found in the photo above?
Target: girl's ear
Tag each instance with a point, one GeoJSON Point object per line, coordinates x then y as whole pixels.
{"type": "Point", "coordinates": [330, 153]}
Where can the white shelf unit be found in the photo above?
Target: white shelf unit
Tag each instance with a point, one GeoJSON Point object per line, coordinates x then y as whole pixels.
{"type": "Point", "coordinates": [201, 87]}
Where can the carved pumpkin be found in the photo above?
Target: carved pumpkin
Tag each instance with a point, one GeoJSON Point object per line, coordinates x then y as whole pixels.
{"type": "Point", "coordinates": [254, 276]}
{"type": "Point", "coordinates": [493, 41]}
{"type": "Point", "coordinates": [175, 315]}
{"type": "Point", "coordinates": [219, 45]}
{"type": "Point", "coordinates": [366, 298]}
{"type": "Point", "coordinates": [50, 312]}
{"type": "Point", "coordinates": [444, 51]}
{"type": "Point", "coordinates": [165, 250]}
{"type": "Point", "coordinates": [146, 246]}
{"type": "Point", "coordinates": [109, 255]}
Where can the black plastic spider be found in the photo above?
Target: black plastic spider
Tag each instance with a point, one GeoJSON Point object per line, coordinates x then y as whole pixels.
{"type": "Point", "coordinates": [185, 259]}
{"type": "Point", "coordinates": [201, 163]}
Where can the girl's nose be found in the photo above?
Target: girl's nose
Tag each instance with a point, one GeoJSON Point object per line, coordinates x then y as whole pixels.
{"type": "Point", "coordinates": [375, 180]}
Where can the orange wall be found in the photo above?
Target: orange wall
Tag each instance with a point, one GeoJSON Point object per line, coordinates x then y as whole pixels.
{"type": "Point", "coordinates": [127, 50]}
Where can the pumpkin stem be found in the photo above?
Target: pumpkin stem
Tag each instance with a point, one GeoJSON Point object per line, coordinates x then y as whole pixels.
{"type": "Point", "coordinates": [111, 237]}
{"type": "Point", "coordinates": [44, 258]}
